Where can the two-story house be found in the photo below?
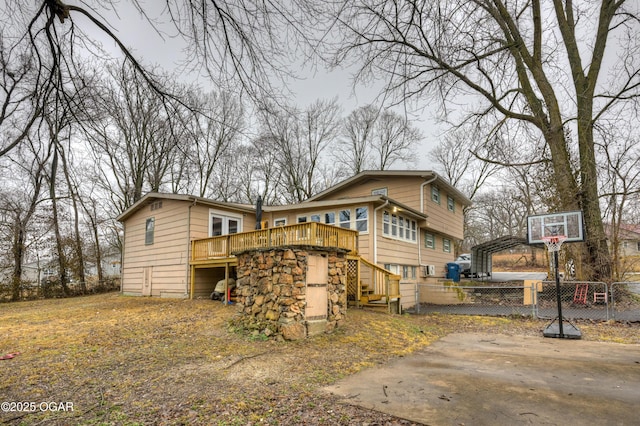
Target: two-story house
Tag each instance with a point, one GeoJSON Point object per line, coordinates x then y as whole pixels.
{"type": "Point", "coordinates": [406, 222]}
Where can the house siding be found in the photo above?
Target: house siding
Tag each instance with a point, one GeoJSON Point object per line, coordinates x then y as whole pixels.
{"type": "Point", "coordinates": [440, 218]}
{"type": "Point", "coordinates": [183, 219]}
{"type": "Point", "coordinates": [402, 189]}
{"type": "Point", "coordinates": [406, 190]}
{"type": "Point", "coordinates": [169, 255]}
{"type": "Point", "coordinates": [168, 258]}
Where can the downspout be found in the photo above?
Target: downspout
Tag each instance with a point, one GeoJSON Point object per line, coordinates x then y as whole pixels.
{"type": "Point", "coordinates": [189, 289]}
{"type": "Point", "coordinates": [375, 231]}
{"type": "Point", "coordinates": [124, 247]}
{"type": "Point", "coordinates": [422, 186]}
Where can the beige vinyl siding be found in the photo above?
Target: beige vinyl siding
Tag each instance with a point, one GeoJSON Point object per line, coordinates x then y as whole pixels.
{"type": "Point", "coordinates": [440, 218]}
{"type": "Point", "coordinates": [167, 256]}
{"type": "Point", "coordinates": [200, 220]}
{"type": "Point", "coordinates": [406, 190]}
{"type": "Point", "coordinates": [402, 189]}
{"type": "Point", "coordinates": [407, 294]}
{"type": "Point", "coordinates": [437, 256]}
{"type": "Point", "coordinates": [206, 280]}
{"type": "Point", "coordinates": [395, 251]}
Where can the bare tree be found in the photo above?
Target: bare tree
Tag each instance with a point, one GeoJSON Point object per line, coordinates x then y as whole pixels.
{"type": "Point", "coordinates": [513, 65]}
{"type": "Point", "coordinates": [134, 137]}
{"type": "Point", "coordinates": [18, 205]}
{"type": "Point", "coordinates": [455, 157]}
{"type": "Point", "coordinates": [210, 133]}
{"type": "Point", "coordinates": [394, 140]}
{"type": "Point", "coordinates": [300, 138]}
{"type": "Point", "coordinates": [353, 149]}
{"type": "Point", "coordinates": [621, 182]}
{"type": "Point", "coordinates": [236, 44]}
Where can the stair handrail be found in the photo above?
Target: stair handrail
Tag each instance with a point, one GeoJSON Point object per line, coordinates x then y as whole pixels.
{"type": "Point", "coordinates": [390, 286]}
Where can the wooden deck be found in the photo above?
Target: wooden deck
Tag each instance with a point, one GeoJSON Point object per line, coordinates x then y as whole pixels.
{"type": "Point", "coordinates": [311, 234]}
{"type": "Point", "coordinates": [382, 288]}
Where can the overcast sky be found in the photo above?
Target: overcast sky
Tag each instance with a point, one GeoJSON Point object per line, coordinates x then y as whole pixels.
{"type": "Point", "coordinates": [136, 33]}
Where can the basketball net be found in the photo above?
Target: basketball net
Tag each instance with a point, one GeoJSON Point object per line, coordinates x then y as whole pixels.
{"type": "Point", "coordinates": [554, 243]}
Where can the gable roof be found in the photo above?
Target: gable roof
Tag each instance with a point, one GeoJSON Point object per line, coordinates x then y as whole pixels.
{"type": "Point", "coordinates": [427, 175]}
{"type": "Point", "coordinates": [152, 196]}
{"type": "Point", "coordinates": [375, 199]}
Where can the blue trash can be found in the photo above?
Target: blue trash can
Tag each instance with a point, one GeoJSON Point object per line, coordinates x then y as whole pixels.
{"type": "Point", "coordinates": [453, 272]}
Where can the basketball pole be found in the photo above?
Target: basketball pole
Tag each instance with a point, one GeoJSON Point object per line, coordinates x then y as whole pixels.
{"type": "Point", "coordinates": [558, 298]}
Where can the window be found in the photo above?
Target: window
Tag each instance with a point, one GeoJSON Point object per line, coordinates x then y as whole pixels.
{"type": "Point", "coordinates": [149, 229]}
{"type": "Point", "coordinates": [345, 218]}
{"type": "Point", "coordinates": [394, 225]}
{"type": "Point", "coordinates": [302, 219]}
{"type": "Point", "coordinates": [362, 219]}
{"type": "Point", "coordinates": [446, 245]}
{"type": "Point", "coordinates": [216, 226]}
{"type": "Point", "coordinates": [399, 227]}
{"type": "Point", "coordinates": [222, 223]}
{"type": "Point", "coordinates": [435, 194]}
{"type": "Point", "coordinates": [280, 222]}
{"type": "Point", "coordinates": [451, 204]}
{"type": "Point", "coordinates": [638, 246]}
{"type": "Point", "coordinates": [429, 240]}
{"type": "Point", "coordinates": [155, 205]}
{"type": "Point", "coordinates": [386, 223]}
{"type": "Point", "coordinates": [330, 218]}
{"type": "Point", "coordinates": [408, 272]}
{"type": "Point", "coordinates": [379, 191]}
{"type": "Point", "coordinates": [391, 268]}
{"type": "Point", "coordinates": [315, 218]}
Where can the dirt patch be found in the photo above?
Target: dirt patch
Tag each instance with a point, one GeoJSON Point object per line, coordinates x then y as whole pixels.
{"type": "Point", "coordinates": [127, 360]}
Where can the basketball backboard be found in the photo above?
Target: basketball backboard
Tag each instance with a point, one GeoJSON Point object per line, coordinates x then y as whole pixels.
{"type": "Point", "coordinates": [568, 224]}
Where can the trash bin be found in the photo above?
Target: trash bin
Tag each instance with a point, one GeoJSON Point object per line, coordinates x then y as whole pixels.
{"type": "Point", "coordinates": [453, 272]}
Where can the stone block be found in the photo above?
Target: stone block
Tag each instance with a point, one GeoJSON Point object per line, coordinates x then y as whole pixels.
{"type": "Point", "coordinates": [294, 331]}
{"type": "Point", "coordinates": [316, 327]}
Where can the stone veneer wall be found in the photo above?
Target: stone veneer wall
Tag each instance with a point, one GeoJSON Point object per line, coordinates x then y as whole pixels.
{"type": "Point", "coordinates": [272, 287]}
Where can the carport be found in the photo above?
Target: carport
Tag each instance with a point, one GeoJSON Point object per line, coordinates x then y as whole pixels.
{"type": "Point", "coordinates": [481, 255]}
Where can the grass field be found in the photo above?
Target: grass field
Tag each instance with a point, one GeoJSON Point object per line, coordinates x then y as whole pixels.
{"type": "Point", "coordinates": [135, 361]}
{"type": "Point", "coordinates": [520, 261]}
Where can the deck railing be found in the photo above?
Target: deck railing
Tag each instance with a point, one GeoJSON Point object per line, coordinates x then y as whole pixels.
{"type": "Point", "coordinates": [382, 281]}
{"type": "Point", "coordinates": [301, 234]}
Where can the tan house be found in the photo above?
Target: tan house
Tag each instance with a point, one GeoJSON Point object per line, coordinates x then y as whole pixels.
{"type": "Point", "coordinates": [406, 222]}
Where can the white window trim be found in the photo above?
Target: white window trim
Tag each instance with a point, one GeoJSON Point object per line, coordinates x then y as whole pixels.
{"type": "Point", "coordinates": [281, 221]}
{"type": "Point", "coordinates": [225, 224]}
{"type": "Point", "coordinates": [401, 232]}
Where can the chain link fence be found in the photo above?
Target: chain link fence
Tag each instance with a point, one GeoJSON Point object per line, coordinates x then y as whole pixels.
{"type": "Point", "coordinates": [579, 300]}
{"type": "Point", "coordinates": [625, 298]}
{"type": "Point", "coordinates": [51, 289]}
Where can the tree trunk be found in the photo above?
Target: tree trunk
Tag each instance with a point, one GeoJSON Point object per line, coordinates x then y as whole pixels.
{"type": "Point", "coordinates": [62, 261]}
{"type": "Point", "coordinates": [18, 255]}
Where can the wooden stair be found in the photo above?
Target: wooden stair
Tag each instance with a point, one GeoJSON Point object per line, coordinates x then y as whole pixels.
{"type": "Point", "coordinates": [368, 296]}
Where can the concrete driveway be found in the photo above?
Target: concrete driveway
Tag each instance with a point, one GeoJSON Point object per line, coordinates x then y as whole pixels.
{"type": "Point", "coordinates": [478, 379]}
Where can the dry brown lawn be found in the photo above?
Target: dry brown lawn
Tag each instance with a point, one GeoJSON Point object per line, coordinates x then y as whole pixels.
{"type": "Point", "coordinates": [133, 361]}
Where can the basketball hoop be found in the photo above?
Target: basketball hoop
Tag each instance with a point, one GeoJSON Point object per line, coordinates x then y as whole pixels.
{"type": "Point", "coordinates": [554, 242]}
